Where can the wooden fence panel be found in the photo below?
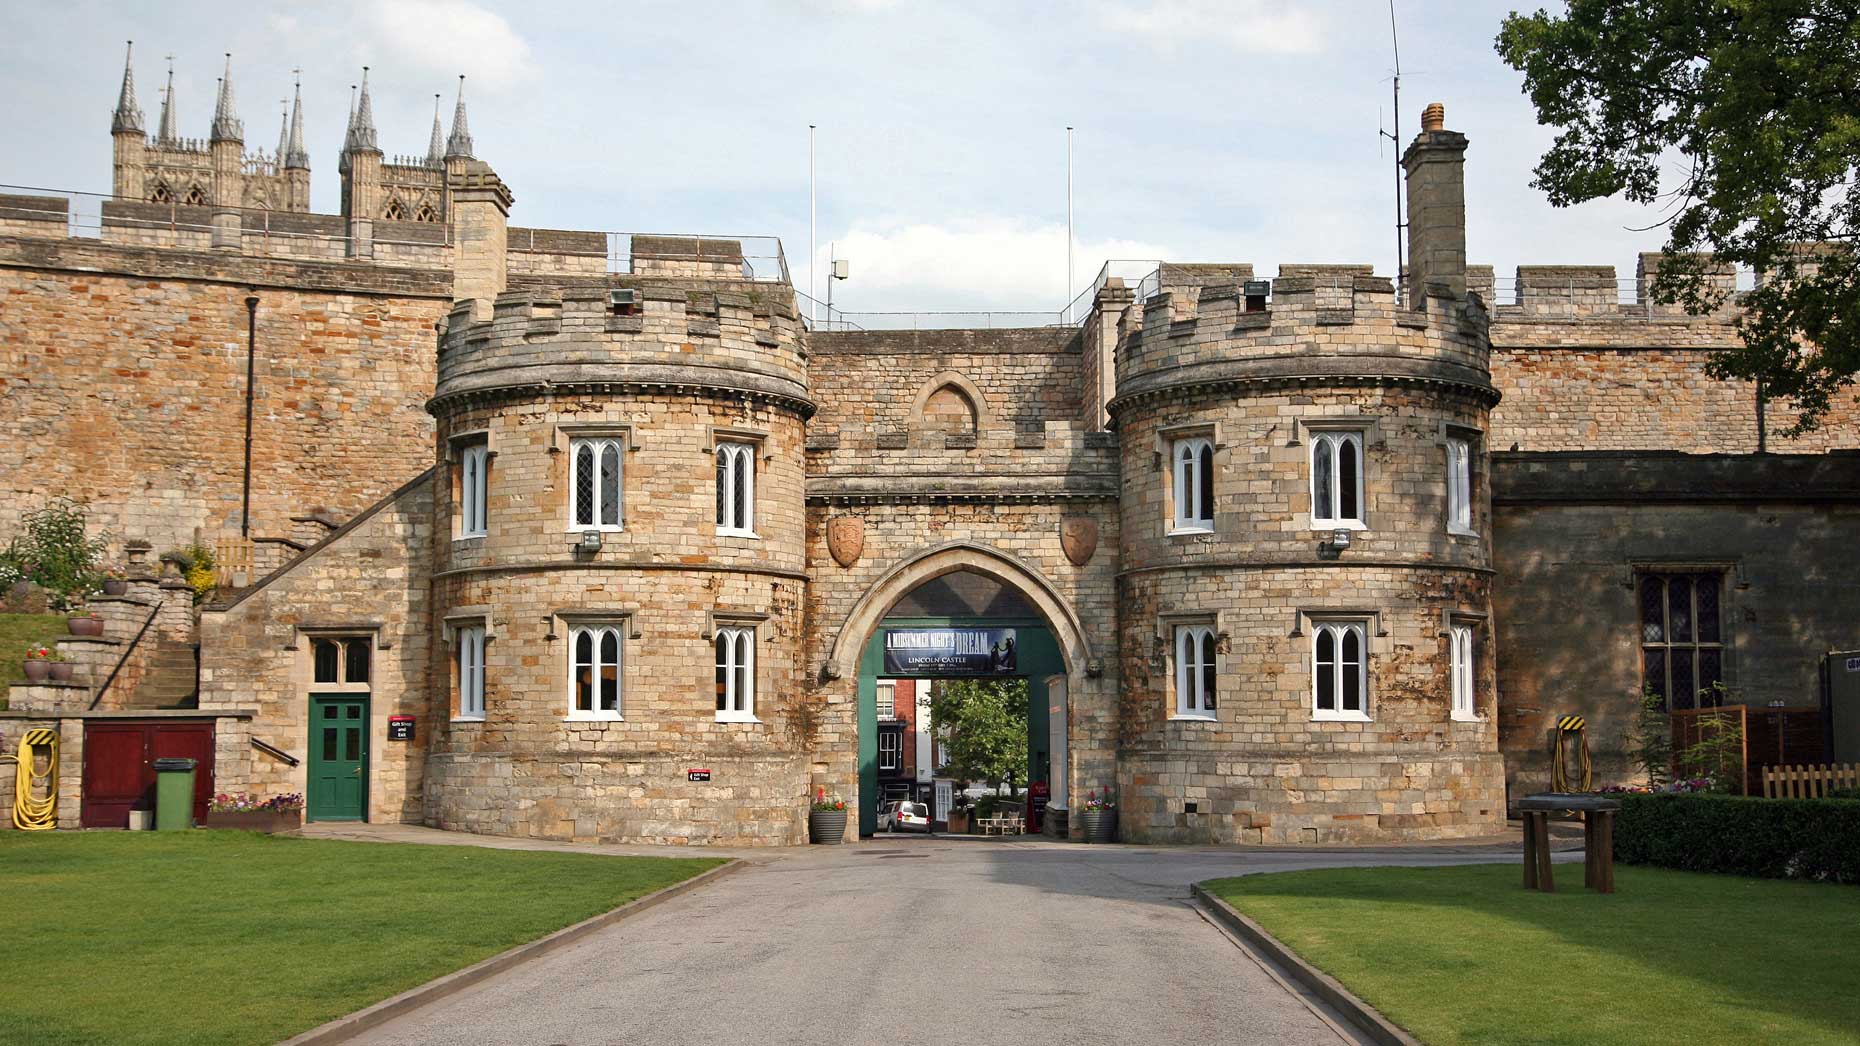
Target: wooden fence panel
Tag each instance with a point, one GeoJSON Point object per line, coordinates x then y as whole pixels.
{"type": "Point", "coordinates": [1809, 782]}
{"type": "Point", "coordinates": [232, 562]}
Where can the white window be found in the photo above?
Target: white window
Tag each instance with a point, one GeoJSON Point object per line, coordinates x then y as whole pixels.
{"type": "Point", "coordinates": [595, 500]}
{"type": "Point", "coordinates": [1459, 486]}
{"type": "Point", "coordinates": [594, 672]}
{"type": "Point", "coordinates": [1461, 673]}
{"type": "Point", "coordinates": [1194, 485]}
{"type": "Point", "coordinates": [474, 463]}
{"type": "Point", "coordinates": [736, 489]}
{"type": "Point", "coordinates": [1194, 671]}
{"type": "Point", "coordinates": [888, 700]}
{"type": "Point", "coordinates": [890, 750]}
{"type": "Point", "coordinates": [1338, 678]}
{"type": "Point", "coordinates": [470, 650]}
{"type": "Point", "coordinates": [736, 675]}
{"type": "Point", "coordinates": [1337, 480]}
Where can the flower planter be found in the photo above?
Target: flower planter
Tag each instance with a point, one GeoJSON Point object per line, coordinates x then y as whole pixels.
{"type": "Point", "coordinates": [826, 827]}
{"type": "Point", "coordinates": [37, 670]}
{"type": "Point", "coordinates": [61, 671]}
{"type": "Point", "coordinates": [256, 820]}
{"type": "Point", "coordinates": [116, 587]}
{"type": "Point", "coordinates": [84, 625]}
{"type": "Point", "coordinates": [959, 821]}
{"type": "Point", "coordinates": [1100, 825]}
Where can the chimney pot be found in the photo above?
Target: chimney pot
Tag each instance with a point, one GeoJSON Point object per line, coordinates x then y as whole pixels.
{"type": "Point", "coordinates": [1434, 117]}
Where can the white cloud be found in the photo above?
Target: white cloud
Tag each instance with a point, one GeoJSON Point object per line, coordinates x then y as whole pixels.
{"type": "Point", "coordinates": [982, 262]}
{"type": "Point", "coordinates": [1246, 26]}
{"type": "Point", "coordinates": [448, 37]}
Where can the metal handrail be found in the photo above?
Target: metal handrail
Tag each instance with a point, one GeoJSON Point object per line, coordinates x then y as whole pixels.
{"type": "Point", "coordinates": [121, 661]}
{"type": "Point", "coordinates": [275, 752]}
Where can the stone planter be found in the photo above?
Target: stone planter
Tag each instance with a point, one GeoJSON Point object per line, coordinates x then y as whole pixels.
{"type": "Point", "coordinates": [268, 821]}
{"type": "Point", "coordinates": [959, 821]}
{"type": "Point", "coordinates": [37, 670]}
{"type": "Point", "coordinates": [61, 671]}
{"type": "Point", "coordinates": [84, 625]}
{"type": "Point", "coordinates": [826, 827]}
{"type": "Point", "coordinates": [116, 586]}
{"type": "Point", "coordinates": [1100, 825]}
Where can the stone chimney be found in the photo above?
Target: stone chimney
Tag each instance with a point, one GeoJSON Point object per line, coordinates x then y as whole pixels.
{"type": "Point", "coordinates": [1436, 167]}
{"type": "Point", "coordinates": [481, 229]}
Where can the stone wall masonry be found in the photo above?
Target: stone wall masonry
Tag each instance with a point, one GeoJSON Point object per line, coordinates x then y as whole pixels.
{"type": "Point", "coordinates": [126, 383]}
{"type": "Point", "coordinates": [867, 382]}
{"type": "Point", "coordinates": [371, 578]}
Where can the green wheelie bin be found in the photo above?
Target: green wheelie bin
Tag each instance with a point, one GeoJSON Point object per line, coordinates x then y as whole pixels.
{"type": "Point", "coordinates": [174, 794]}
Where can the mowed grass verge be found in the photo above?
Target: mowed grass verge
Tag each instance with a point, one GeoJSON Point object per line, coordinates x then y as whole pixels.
{"type": "Point", "coordinates": [234, 937]}
{"type": "Point", "coordinates": [1466, 955]}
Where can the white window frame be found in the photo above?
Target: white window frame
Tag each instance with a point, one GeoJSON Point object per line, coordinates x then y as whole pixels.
{"type": "Point", "coordinates": [1194, 698]}
{"type": "Point", "coordinates": [737, 661]}
{"type": "Point", "coordinates": [599, 446]}
{"type": "Point", "coordinates": [1461, 666]}
{"type": "Point", "coordinates": [1339, 669]}
{"type": "Point", "coordinates": [1191, 475]}
{"type": "Point", "coordinates": [474, 487]}
{"type": "Point", "coordinates": [1459, 487]}
{"type": "Point", "coordinates": [597, 631]}
{"type": "Point", "coordinates": [886, 700]}
{"type": "Point", "coordinates": [1329, 445]}
{"type": "Point", "coordinates": [897, 752]}
{"type": "Point", "coordinates": [468, 655]}
{"type": "Point", "coordinates": [738, 520]}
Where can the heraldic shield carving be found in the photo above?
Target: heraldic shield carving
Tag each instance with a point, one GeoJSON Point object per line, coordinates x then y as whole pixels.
{"type": "Point", "coordinates": [846, 539]}
{"type": "Point", "coordinates": [1078, 536]}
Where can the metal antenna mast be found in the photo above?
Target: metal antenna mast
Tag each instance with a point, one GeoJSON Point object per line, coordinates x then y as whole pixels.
{"type": "Point", "coordinates": [1395, 42]}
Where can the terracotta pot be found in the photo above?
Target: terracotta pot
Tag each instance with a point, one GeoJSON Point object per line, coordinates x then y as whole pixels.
{"type": "Point", "coordinates": [826, 826]}
{"type": "Point", "coordinates": [38, 671]}
{"type": "Point", "coordinates": [84, 625]}
{"type": "Point", "coordinates": [115, 586]}
{"type": "Point", "coordinates": [61, 671]}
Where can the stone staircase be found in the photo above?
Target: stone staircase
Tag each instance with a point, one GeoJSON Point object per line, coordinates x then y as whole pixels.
{"type": "Point", "coordinates": [145, 657]}
{"type": "Point", "coordinates": [172, 679]}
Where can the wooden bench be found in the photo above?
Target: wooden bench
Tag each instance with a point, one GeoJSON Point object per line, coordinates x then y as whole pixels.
{"type": "Point", "coordinates": [1598, 838]}
{"type": "Point", "coordinates": [1809, 782]}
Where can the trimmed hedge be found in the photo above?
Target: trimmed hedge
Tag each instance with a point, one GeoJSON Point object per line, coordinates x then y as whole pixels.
{"type": "Point", "coordinates": [1772, 838]}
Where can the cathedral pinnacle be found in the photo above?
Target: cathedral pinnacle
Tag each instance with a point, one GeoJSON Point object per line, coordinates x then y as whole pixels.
{"type": "Point", "coordinates": [459, 144]}
{"type": "Point", "coordinates": [295, 155]}
{"type": "Point", "coordinates": [436, 145]}
{"type": "Point", "coordinates": [227, 127]}
{"type": "Point", "coordinates": [164, 134]}
{"type": "Point", "coordinates": [361, 136]}
{"type": "Point", "coordinates": [128, 116]}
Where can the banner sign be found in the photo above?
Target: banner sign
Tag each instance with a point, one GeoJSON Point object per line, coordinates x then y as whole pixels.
{"type": "Point", "coordinates": [950, 651]}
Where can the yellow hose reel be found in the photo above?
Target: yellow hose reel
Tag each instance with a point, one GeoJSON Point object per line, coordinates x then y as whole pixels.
{"type": "Point", "coordinates": [1571, 732]}
{"type": "Point", "coordinates": [30, 814]}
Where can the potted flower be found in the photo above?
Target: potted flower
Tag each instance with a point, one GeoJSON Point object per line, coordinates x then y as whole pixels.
{"type": "Point", "coordinates": [1099, 816]}
{"type": "Point", "coordinates": [826, 822]}
{"type": "Point", "coordinates": [38, 664]}
{"type": "Point", "coordinates": [83, 622]}
{"type": "Point", "coordinates": [115, 582]}
{"type": "Point", "coordinates": [278, 813]}
{"type": "Point", "coordinates": [60, 668]}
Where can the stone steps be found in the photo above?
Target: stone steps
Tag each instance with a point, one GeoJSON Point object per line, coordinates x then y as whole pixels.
{"type": "Point", "coordinates": [172, 679]}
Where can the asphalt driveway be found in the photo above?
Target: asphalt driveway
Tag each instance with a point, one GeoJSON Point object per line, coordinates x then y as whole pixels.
{"type": "Point", "coordinates": [916, 940]}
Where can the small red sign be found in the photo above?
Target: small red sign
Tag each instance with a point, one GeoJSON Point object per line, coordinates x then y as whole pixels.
{"type": "Point", "coordinates": [699, 774]}
{"type": "Point", "coordinates": [400, 728]}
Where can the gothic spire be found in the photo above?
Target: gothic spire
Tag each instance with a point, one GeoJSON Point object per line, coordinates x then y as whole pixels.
{"type": "Point", "coordinates": [294, 153]}
{"type": "Point", "coordinates": [284, 136]}
{"type": "Point", "coordinates": [362, 124]}
{"type": "Point", "coordinates": [128, 115]}
{"type": "Point", "coordinates": [459, 144]}
{"type": "Point", "coordinates": [348, 135]}
{"type": "Point", "coordinates": [436, 145]}
{"type": "Point", "coordinates": [226, 125]}
{"type": "Point", "coordinates": [164, 134]}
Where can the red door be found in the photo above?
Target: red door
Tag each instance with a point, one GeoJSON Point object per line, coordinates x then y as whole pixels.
{"type": "Point", "coordinates": [119, 770]}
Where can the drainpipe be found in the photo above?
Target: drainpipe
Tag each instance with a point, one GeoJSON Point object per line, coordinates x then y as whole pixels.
{"type": "Point", "coordinates": [251, 353]}
{"type": "Point", "coordinates": [1762, 423]}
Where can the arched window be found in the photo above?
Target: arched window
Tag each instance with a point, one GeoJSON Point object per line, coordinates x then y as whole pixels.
{"type": "Point", "coordinates": [161, 193]}
{"type": "Point", "coordinates": [594, 672]}
{"type": "Point", "coordinates": [596, 499]}
{"type": "Point", "coordinates": [1337, 480]}
{"type": "Point", "coordinates": [1194, 484]}
{"type": "Point", "coordinates": [1194, 671]}
{"type": "Point", "coordinates": [736, 675]}
{"type": "Point", "coordinates": [950, 410]}
{"type": "Point", "coordinates": [736, 489]}
{"type": "Point", "coordinates": [1460, 676]}
{"type": "Point", "coordinates": [426, 213]}
{"type": "Point", "coordinates": [470, 656]}
{"type": "Point", "coordinates": [1459, 486]}
{"type": "Point", "coordinates": [395, 211]}
{"type": "Point", "coordinates": [1339, 677]}
{"type": "Point", "coordinates": [196, 196]}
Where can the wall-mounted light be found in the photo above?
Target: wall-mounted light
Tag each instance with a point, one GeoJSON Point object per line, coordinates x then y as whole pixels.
{"type": "Point", "coordinates": [1340, 538]}
{"type": "Point", "coordinates": [590, 541]}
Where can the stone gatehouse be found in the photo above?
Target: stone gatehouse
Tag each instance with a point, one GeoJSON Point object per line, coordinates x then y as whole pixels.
{"type": "Point", "coordinates": [570, 535]}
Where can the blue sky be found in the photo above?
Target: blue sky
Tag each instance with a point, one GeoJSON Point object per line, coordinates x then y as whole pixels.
{"type": "Point", "coordinates": [1207, 130]}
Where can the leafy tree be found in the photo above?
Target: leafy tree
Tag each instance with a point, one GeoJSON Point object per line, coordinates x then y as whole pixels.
{"type": "Point", "coordinates": [983, 727]}
{"type": "Point", "coordinates": [55, 551]}
{"type": "Point", "coordinates": [1741, 118]}
{"type": "Point", "coordinates": [1650, 739]}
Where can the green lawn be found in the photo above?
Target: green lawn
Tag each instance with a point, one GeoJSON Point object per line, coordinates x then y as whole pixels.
{"type": "Point", "coordinates": [19, 633]}
{"type": "Point", "coordinates": [233, 937]}
{"type": "Point", "coordinates": [1466, 955]}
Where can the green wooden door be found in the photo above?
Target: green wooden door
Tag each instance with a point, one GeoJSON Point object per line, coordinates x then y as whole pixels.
{"type": "Point", "coordinates": [338, 758]}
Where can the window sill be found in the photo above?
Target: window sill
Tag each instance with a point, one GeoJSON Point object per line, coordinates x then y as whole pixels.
{"type": "Point", "coordinates": [1459, 718]}
{"type": "Point", "coordinates": [1192, 717]}
{"type": "Point", "coordinates": [738, 719]}
{"type": "Point", "coordinates": [750, 534]}
{"type": "Point", "coordinates": [605, 528]}
{"type": "Point", "coordinates": [1463, 532]}
{"type": "Point", "coordinates": [1340, 717]}
{"type": "Point", "coordinates": [585, 717]}
{"type": "Point", "coordinates": [468, 719]}
{"type": "Point", "coordinates": [1339, 524]}
{"type": "Point", "coordinates": [1187, 531]}
{"type": "Point", "coordinates": [480, 536]}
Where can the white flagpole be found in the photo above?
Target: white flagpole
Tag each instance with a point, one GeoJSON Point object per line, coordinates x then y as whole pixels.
{"type": "Point", "coordinates": [812, 250]}
{"type": "Point", "coordinates": [1068, 221]}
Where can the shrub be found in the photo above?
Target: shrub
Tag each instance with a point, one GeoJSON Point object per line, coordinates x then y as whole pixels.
{"type": "Point", "coordinates": [195, 562]}
{"type": "Point", "coordinates": [1816, 839]}
{"type": "Point", "coordinates": [55, 551]}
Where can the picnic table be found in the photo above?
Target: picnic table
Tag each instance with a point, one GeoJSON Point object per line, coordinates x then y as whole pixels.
{"type": "Point", "coordinates": [1005, 824]}
{"type": "Point", "coordinates": [1598, 838]}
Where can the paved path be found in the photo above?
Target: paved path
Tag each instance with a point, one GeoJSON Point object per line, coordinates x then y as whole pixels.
{"type": "Point", "coordinates": [915, 940]}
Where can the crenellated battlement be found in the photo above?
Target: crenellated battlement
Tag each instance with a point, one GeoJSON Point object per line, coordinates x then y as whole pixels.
{"type": "Point", "coordinates": [1324, 324]}
{"type": "Point", "coordinates": [745, 342]}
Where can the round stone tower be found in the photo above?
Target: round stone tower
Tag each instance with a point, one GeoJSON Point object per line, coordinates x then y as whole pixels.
{"type": "Point", "coordinates": [1306, 540]}
{"type": "Point", "coordinates": [619, 570]}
